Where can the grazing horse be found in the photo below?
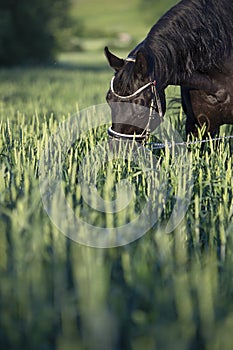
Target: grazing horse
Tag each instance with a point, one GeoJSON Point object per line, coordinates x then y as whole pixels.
{"type": "Point", "coordinates": [190, 46]}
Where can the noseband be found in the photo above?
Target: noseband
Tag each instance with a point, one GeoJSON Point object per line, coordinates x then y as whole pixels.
{"type": "Point", "coordinates": [155, 100]}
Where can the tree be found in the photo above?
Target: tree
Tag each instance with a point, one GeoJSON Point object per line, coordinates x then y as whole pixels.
{"type": "Point", "coordinates": [30, 29]}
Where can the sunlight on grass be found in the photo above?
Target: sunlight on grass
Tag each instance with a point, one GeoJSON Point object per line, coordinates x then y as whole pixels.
{"type": "Point", "coordinates": [163, 291]}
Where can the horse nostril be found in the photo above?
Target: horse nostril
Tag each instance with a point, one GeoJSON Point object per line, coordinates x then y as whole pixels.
{"type": "Point", "coordinates": [142, 102]}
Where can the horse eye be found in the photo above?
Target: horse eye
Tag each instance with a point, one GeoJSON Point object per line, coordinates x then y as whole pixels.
{"type": "Point", "coordinates": [142, 102]}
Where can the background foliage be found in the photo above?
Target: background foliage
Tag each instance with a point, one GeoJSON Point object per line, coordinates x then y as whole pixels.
{"type": "Point", "coordinates": [152, 10]}
{"type": "Point", "coordinates": [34, 31]}
{"type": "Point", "coordinates": [31, 31]}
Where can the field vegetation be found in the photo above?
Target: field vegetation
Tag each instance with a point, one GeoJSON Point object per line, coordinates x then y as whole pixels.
{"type": "Point", "coordinates": [162, 291]}
{"type": "Point", "coordinates": [171, 291]}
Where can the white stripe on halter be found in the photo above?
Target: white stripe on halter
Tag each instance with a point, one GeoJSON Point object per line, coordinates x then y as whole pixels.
{"type": "Point", "coordinates": [130, 59]}
{"type": "Point", "coordinates": [137, 92]}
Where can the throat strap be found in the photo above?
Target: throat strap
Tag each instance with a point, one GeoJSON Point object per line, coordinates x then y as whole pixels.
{"type": "Point", "coordinates": [133, 137]}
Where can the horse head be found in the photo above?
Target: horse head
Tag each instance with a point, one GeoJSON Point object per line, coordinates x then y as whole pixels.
{"type": "Point", "coordinates": [136, 100]}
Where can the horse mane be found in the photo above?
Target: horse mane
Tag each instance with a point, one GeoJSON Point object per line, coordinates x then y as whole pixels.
{"type": "Point", "coordinates": [194, 35]}
{"type": "Point", "coordinates": [124, 81]}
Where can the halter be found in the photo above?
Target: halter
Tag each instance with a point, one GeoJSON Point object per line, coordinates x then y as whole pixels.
{"type": "Point", "coordinates": [154, 100]}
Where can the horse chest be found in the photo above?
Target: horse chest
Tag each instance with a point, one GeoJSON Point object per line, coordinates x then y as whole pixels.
{"type": "Point", "coordinates": [215, 109]}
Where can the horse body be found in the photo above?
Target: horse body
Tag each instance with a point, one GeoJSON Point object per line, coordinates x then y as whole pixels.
{"type": "Point", "coordinates": [190, 46]}
{"type": "Point", "coordinates": [214, 109]}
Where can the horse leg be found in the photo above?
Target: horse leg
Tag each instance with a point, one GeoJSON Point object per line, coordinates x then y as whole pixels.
{"type": "Point", "coordinates": [201, 109]}
{"type": "Point", "coordinates": [191, 121]}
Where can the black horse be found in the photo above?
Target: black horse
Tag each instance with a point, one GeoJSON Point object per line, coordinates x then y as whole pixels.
{"type": "Point", "coordinates": [190, 46]}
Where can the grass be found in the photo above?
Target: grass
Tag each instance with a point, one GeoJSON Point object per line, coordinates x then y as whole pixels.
{"type": "Point", "coordinates": [105, 20]}
{"type": "Point", "coordinates": [54, 89]}
{"type": "Point", "coordinates": [163, 291]}
{"type": "Point", "coordinates": [110, 17]}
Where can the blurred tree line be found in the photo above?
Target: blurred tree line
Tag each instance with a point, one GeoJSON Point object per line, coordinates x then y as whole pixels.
{"type": "Point", "coordinates": [32, 31]}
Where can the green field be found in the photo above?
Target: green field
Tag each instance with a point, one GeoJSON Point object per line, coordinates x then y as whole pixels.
{"type": "Point", "coordinates": [104, 20]}
{"type": "Point", "coordinates": [170, 288]}
{"type": "Point", "coordinates": [162, 291]}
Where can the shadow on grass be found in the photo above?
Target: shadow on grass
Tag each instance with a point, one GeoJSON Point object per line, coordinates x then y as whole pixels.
{"type": "Point", "coordinates": [94, 61]}
{"type": "Point", "coordinates": [69, 66]}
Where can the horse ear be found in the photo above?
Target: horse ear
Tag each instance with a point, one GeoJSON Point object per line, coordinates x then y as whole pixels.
{"type": "Point", "coordinates": [114, 61]}
{"type": "Point", "coordinates": [141, 65]}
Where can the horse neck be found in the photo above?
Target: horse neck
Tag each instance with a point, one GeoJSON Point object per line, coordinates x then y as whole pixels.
{"type": "Point", "coordinates": [179, 51]}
